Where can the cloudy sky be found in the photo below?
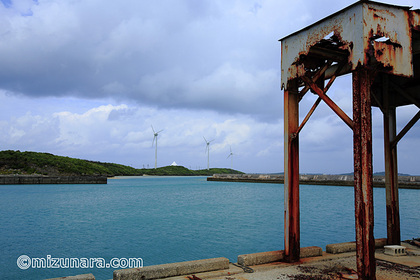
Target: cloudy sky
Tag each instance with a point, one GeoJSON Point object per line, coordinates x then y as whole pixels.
{"type": "Point", "coordinates": [88, 78]}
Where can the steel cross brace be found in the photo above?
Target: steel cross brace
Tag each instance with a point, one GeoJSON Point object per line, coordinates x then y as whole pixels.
{"type": "Point", "coordinates": [411, 123]}
{"type": "Point", "coordinates": [311, 84]}
{"type": "Point", "coordinates": [403, 131]}
{"type": "Point", "coordinates": [315, 78]}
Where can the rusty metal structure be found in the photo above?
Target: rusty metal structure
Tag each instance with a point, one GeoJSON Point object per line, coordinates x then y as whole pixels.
{"type": "Point", "coordinates": [379, 45]}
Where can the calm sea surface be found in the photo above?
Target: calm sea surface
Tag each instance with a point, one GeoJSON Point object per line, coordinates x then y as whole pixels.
{"type": "Point", "coordinates": [172, 219]}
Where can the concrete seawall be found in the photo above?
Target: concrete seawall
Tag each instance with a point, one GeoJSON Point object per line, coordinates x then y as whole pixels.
{"type": "Point", "coordinates": [405, 182]}
{"type": "Point", "coordinates": [34, 180]}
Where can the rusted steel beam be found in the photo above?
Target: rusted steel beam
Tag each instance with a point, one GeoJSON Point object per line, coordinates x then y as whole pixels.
{"type": "Point", "coordinates": [391, 166]}
{"type": "Point", "coordinates": [311, 111]}
{"type": "Point", "coordinates": [320, 82]}
{"type": "Point", "coordinates": [406, 128]}
{"type": "Point", "coordinates": [329, 84]}
{"type": "Point", "coordinates": [363, 181]}
{"type": "Point", "coordinates": [412, 122]}
{"type": "Point", "coordinates": [328, 101]}
{"type": "Point", "coordinates": [337, 70]}
{"type": "Point", "coordinates": [291, 173]}
{"type": "Point", "coordinates": [405, 94]}
{"type": "Point", "coordinates": [315, 78]}
{"type": "Point", "coordinates": [378, 103]}
{"type": "Point", "coordinates": [332, 54]}
{"type": "Point", "coordinates": [332, 78]}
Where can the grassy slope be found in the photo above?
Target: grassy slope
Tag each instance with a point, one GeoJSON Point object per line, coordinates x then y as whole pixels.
{"type": "Point", "coordinates": [16, 162]}
{"type": "Point", "coordinates": [180, 170]}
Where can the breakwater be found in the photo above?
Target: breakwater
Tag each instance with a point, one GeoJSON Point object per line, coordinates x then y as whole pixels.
{"type": "Point", "coordinates": [38, 179]}
{"type": "Point", "coordinates": [407, 182]}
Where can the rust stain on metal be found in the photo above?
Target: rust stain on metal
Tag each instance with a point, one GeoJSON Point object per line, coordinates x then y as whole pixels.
{"type": "Point", "coordinates": [375, 10]}
{"type": "Point", "coordinates": [291, 174]}
{"type": "Point", "coordinates": [391, 166]}
{"type": "Point", "coordinates": [363, 183]}
{"type": "Point", "coordinates": [374, 20]}
{"type": "Point", "coordinates": [414, 17]}
{"type": "Point", "coordinates": [369, 40]}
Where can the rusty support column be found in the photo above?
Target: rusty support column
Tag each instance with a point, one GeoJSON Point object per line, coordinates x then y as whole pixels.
{"type": "Point", "coordinates": [363, 181]}
{"type": "Point", "coordinates": [391, 167]}
{"type": "Point", "coordinates": [291, 173]}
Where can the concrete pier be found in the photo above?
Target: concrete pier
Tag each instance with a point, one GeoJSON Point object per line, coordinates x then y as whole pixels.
{"type": "Point", "coordinates": [36, 180]}
{"type": "Point", "coordinates": [404, 182]}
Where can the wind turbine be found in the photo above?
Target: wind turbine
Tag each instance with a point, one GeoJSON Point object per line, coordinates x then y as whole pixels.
{"type": "Point", "coordinates": [231, 157]}
{"type": "Point", "coordinates": [155, 138]}
{"type": "Point", "coordinates": [208, 151]}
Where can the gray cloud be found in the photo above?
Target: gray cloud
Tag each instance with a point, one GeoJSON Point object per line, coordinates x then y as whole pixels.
{"type": "Point", "coordinates": [184, 54]}
{"type": "Point", "coordinates": [215, 55]}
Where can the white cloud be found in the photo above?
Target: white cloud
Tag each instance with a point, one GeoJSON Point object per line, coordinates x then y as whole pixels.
{"type": "Point", "coordinates": [28, 130]}
{"type": "Point", "coordinates": [123, 134]}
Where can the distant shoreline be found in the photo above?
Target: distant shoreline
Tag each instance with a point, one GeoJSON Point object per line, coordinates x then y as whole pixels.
{"type": "Point", "coordinates": [45, 180]}
{"type": "Point", "coordinates": [154, 176]}
{"type": "Point", "coordinates": [404, 182]}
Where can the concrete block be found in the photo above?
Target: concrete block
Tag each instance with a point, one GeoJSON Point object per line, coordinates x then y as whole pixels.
{"type": "Point", "coordinates": [351, 246]}
{"type": "Point", "coordinates": [341, 247]}
{"type": "Point", "coordinates": [276, 256]}
{"type": "Point", "coordinates": [76, 277]}
{"type": "Point", "coordinates": [171, 269]}
{"type": "Point", "coordinates": [312, 251]}
{"type": "Point", "coordinates": [395, 250]}
{"type": "Point", "coordinates": [261, 258]}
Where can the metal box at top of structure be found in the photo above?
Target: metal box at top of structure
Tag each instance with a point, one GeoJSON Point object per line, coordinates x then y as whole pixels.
{"type": "Point", "coordinates": [366, 33]}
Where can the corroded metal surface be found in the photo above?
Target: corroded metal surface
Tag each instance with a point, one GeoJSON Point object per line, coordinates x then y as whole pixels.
{"type": "Point", "coordinates": [366, 33]}
{"type": "Point", "coordinates": [391, 166]}
{"type": "Point", "coordinates": [380, 45]}
{"type": "Point", "coordinates": [291, 175]}
{"type": "Point", "coordinates": [328, 101]}
{"type": "Point", "coordinates": [363, 184]}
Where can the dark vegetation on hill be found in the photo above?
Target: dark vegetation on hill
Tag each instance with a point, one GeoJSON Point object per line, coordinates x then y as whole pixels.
{"type": "Point", "coordinates": [29, 163]}
{"type": "Point", "coordinates": [183, 171]}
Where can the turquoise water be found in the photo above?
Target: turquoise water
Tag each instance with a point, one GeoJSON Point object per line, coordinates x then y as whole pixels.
{"type": "Point", "coordinates": [172, 219]}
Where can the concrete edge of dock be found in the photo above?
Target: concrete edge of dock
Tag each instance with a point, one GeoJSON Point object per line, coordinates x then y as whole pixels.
{"type": "Point", "coordinates": [172, 269]}
{"type": "Point", "coordinates": [257, 262]}
{"type": "Point", "coordinates": [88, 276]}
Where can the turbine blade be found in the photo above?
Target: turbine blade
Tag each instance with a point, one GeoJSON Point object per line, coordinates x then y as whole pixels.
{"type": "Point", "coordinates": [153, 129]}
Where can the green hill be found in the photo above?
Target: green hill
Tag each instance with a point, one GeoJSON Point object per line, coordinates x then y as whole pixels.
{"type": "Point", "coordinates": [25, 163]}
{"type": "Point", "coordinates": [183, 171]}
